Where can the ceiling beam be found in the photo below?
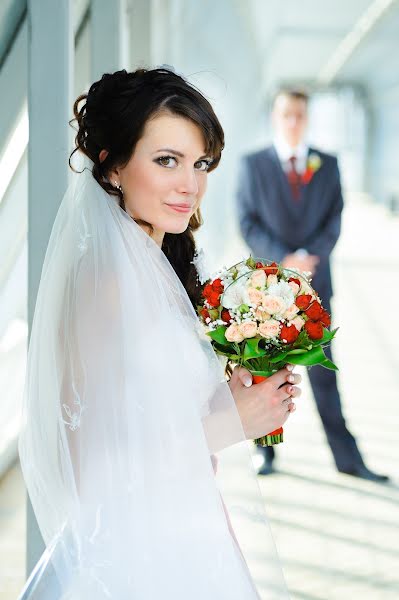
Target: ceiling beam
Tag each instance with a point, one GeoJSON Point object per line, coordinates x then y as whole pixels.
{"type": "Point", "coordinates": [363, 27]}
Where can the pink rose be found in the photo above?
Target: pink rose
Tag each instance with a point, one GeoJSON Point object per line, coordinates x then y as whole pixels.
{"type": "Point", "coordinates": [258, 279]}
{"type": "Point", "coordinates": [248, 329]}
{"type": "Point", "coordinates": [273, 304]}
{"type": "Point", "coordinates": [291, 312]}
{"type": "Point", "coordinates": [294, 286]}
{"type": "Point", "coordinates": [270, 329]}
{"type": "Point", "coordinates": [261, 314]}
{"type": "Point", "coordinates": [233, 333]}
{"type": "Point", "coordinates": [271, 280]}
{"type": "Point", "coordinates": [255, 296]}
{"type": "Point", "coordinates": [298, 322]}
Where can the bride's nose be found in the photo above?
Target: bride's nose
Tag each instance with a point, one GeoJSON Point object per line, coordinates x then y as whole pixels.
{"type": "Point", "coordinates": [188, 183]}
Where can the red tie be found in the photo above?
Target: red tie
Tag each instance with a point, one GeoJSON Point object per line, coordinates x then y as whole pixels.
{"type": "Point", "coordinates": [294, 179]}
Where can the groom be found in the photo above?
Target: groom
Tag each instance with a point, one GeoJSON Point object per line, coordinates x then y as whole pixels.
{"type": "Point", "coordinates": [289, 208]}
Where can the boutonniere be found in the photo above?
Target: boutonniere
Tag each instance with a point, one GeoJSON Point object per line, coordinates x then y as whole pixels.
{"type": "Point", "coordinates": [313, 164]}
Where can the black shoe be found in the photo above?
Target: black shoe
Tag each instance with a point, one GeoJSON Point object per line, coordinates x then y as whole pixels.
{"type": "Point", "coordinates": [364, 473]}
{"type": "Point", "coordinates": [266, 469]}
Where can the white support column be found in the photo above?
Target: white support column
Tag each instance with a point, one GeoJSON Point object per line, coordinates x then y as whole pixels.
{"type": "Point", "coordinates": [109, 37]}
{"type": "Point", "coordinates": [140, 34]}
{"type": "Point", "coordinates": [50, 106]}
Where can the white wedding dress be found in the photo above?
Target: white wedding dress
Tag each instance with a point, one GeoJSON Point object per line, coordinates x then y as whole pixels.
{"type": "Point", "coordinates": [126, 409]}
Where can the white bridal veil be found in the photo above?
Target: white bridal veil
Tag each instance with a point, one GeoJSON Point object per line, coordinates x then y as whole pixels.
{"type": "Point", "coordinates": [126, 410]}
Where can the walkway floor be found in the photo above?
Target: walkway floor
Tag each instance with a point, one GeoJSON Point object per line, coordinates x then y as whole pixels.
{"type": "Point", "coordinates": [337, 537]}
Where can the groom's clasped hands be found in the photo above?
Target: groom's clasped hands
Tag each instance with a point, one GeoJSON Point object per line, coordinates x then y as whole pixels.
{"type": "Point", "coordinates": [266, 406]}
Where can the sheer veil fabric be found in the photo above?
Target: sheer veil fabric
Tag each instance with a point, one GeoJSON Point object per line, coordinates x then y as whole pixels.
{"type": "Point", "coordinates": [126, 415]}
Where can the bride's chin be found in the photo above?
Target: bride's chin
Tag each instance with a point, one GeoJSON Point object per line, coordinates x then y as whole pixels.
{"type": "Point", "coordinates": [179, 227]}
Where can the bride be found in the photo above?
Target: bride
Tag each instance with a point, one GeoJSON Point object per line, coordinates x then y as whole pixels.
{"type": "Point", "coordinates": [133, 445]}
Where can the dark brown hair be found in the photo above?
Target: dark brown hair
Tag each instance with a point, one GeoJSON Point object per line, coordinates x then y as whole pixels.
{"type": "Point", "coordinates": [113, 116]}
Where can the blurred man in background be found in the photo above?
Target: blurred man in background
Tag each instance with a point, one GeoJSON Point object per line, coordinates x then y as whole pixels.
{"type": "Point", "coordinates": [289, 207]}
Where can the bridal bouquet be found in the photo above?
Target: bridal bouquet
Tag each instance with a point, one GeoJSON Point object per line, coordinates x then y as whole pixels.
{"type": "Point", "coordinates": [262, 316]}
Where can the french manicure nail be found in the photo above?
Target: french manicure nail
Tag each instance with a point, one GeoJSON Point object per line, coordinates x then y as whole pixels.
{"type": "Point", "coordinates": [290, 367]}
{"type": "Point", "coordinates": [247, 382]}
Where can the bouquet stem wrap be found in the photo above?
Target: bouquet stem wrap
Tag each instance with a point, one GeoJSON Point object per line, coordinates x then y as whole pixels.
{"type": "Point", "coordinates": [274, 437]}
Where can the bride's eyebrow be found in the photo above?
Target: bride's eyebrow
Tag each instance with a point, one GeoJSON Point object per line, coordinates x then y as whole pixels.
{"type": "Point", "coordinates": [177, 153]}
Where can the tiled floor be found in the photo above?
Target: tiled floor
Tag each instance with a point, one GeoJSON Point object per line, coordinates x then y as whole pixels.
{"type": "Point", "coordinates": [337, 537]}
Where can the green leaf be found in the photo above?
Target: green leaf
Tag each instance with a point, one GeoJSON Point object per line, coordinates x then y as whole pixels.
{"type": "Point", "coordinates": [262, 373]}
{"type": "Point", "coordinates": [218, 335]}
{"type": "Point", "coordinates": [279, 357]}
{"type": "Point", "coordinates": [328, 364]}
{"type": "Point", "coordinates": [252, 350]}
{"type": "Point", "coordinates": [309, 358]}
{"type": "Point", "coordinates": [251, 263]}
{"type": "Point", "coordinates": [326, 339]}
{"type": "Point", "coordinates": [243, 308]}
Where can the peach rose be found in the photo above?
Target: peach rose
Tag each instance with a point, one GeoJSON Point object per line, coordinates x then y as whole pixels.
{"type": "Point", "coordinates": [269, 329]}
{"type": "Point", "coordinates": [298, 322]}
{"type": "Point", "coordinates": [258, 279]}
{"type": "Point", "coordinates": [273, 304]}
{"type": "Point", "coordinates": [294, 286]}
{"type": "Point", "coordinates": [291, 312]}
{"type": "Point", "coordinates": [272, 280]}
{"type": "Point", "coordinates": [255, 296]}
{"type": "Point", "coordinates": [261, 314]}
{"type": "Point", "coordinates": [233, 333]}
{"type": "Point", "coordinates": [248, 329]}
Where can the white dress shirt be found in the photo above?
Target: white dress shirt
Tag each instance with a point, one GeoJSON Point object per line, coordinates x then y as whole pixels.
{"type": "Point", "coordinates": [285, 152]}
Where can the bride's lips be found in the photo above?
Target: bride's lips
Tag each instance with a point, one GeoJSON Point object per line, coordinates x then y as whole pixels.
{"type": "Point", "coordinates": [181, 208]}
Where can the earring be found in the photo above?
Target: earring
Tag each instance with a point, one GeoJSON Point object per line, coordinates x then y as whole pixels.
{"type": "Point", "coordinates": [118, 187]}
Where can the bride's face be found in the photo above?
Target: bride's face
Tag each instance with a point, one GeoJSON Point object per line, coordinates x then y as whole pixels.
{"type": "Point", "coordinates": [165, 179]}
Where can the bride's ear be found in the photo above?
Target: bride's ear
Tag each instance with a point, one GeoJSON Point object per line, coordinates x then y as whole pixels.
{"type": "Point", "coordinates": [103, 155]}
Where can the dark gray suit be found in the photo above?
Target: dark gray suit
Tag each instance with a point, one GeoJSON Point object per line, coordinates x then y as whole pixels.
{"type": "Point", "coordinates": [274, 225]}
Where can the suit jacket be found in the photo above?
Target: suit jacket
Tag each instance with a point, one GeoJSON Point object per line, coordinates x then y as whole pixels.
{"type": "Point", "coordinates": [273, 224]}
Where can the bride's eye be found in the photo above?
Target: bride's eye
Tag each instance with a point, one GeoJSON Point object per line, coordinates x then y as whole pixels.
{"type": "Point", "coordinates": [166, 161]}
{"type": "Point", "coordinates": [203, 165]}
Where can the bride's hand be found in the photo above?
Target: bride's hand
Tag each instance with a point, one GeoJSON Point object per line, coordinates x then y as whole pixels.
{"type": "Point", "coordinates": [266, 406]}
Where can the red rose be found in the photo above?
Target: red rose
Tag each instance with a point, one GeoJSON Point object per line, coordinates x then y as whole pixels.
{"type": "Point", "coordinates": [218, 286]}
{"type": "Point", "coordinates": [314, 330]}
{"type": "Point", "coordinates": [214, 300]}
{"type": "Point", "coordinates": [289, 333]}
{"type": "Point", "coordinates": [295, 280]}
{"type": "Point", "coordinates": [226, 316]}
{"type": "Point", "coordinates": [259, 265]}
{"type": "Point", "coordinates": [271, 269]}
{"type": "Point", "coordinates": [207, 291]}
{"type": "Point", "coordinates": [315, 311]}
{"type": "Point", "coordinates": [303, 301]}
{"type": "Point", "coordinates": [211, 296]}
{"type": "Point", "coordinates": [325, 319]}
{"type": "Point", "coordinates": [204, 313]}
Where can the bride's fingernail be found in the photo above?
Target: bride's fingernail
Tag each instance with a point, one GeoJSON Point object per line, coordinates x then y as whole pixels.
{"type": "Point", "coordinates": [247, 381]}
{"type": "Point", "coordinates": [290, 367]}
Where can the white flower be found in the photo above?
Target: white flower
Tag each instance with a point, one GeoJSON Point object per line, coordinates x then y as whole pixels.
{"type": "Point", "coordinates": [282, 290]}
{"type": "Point", "coordinates": [235, 294]}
